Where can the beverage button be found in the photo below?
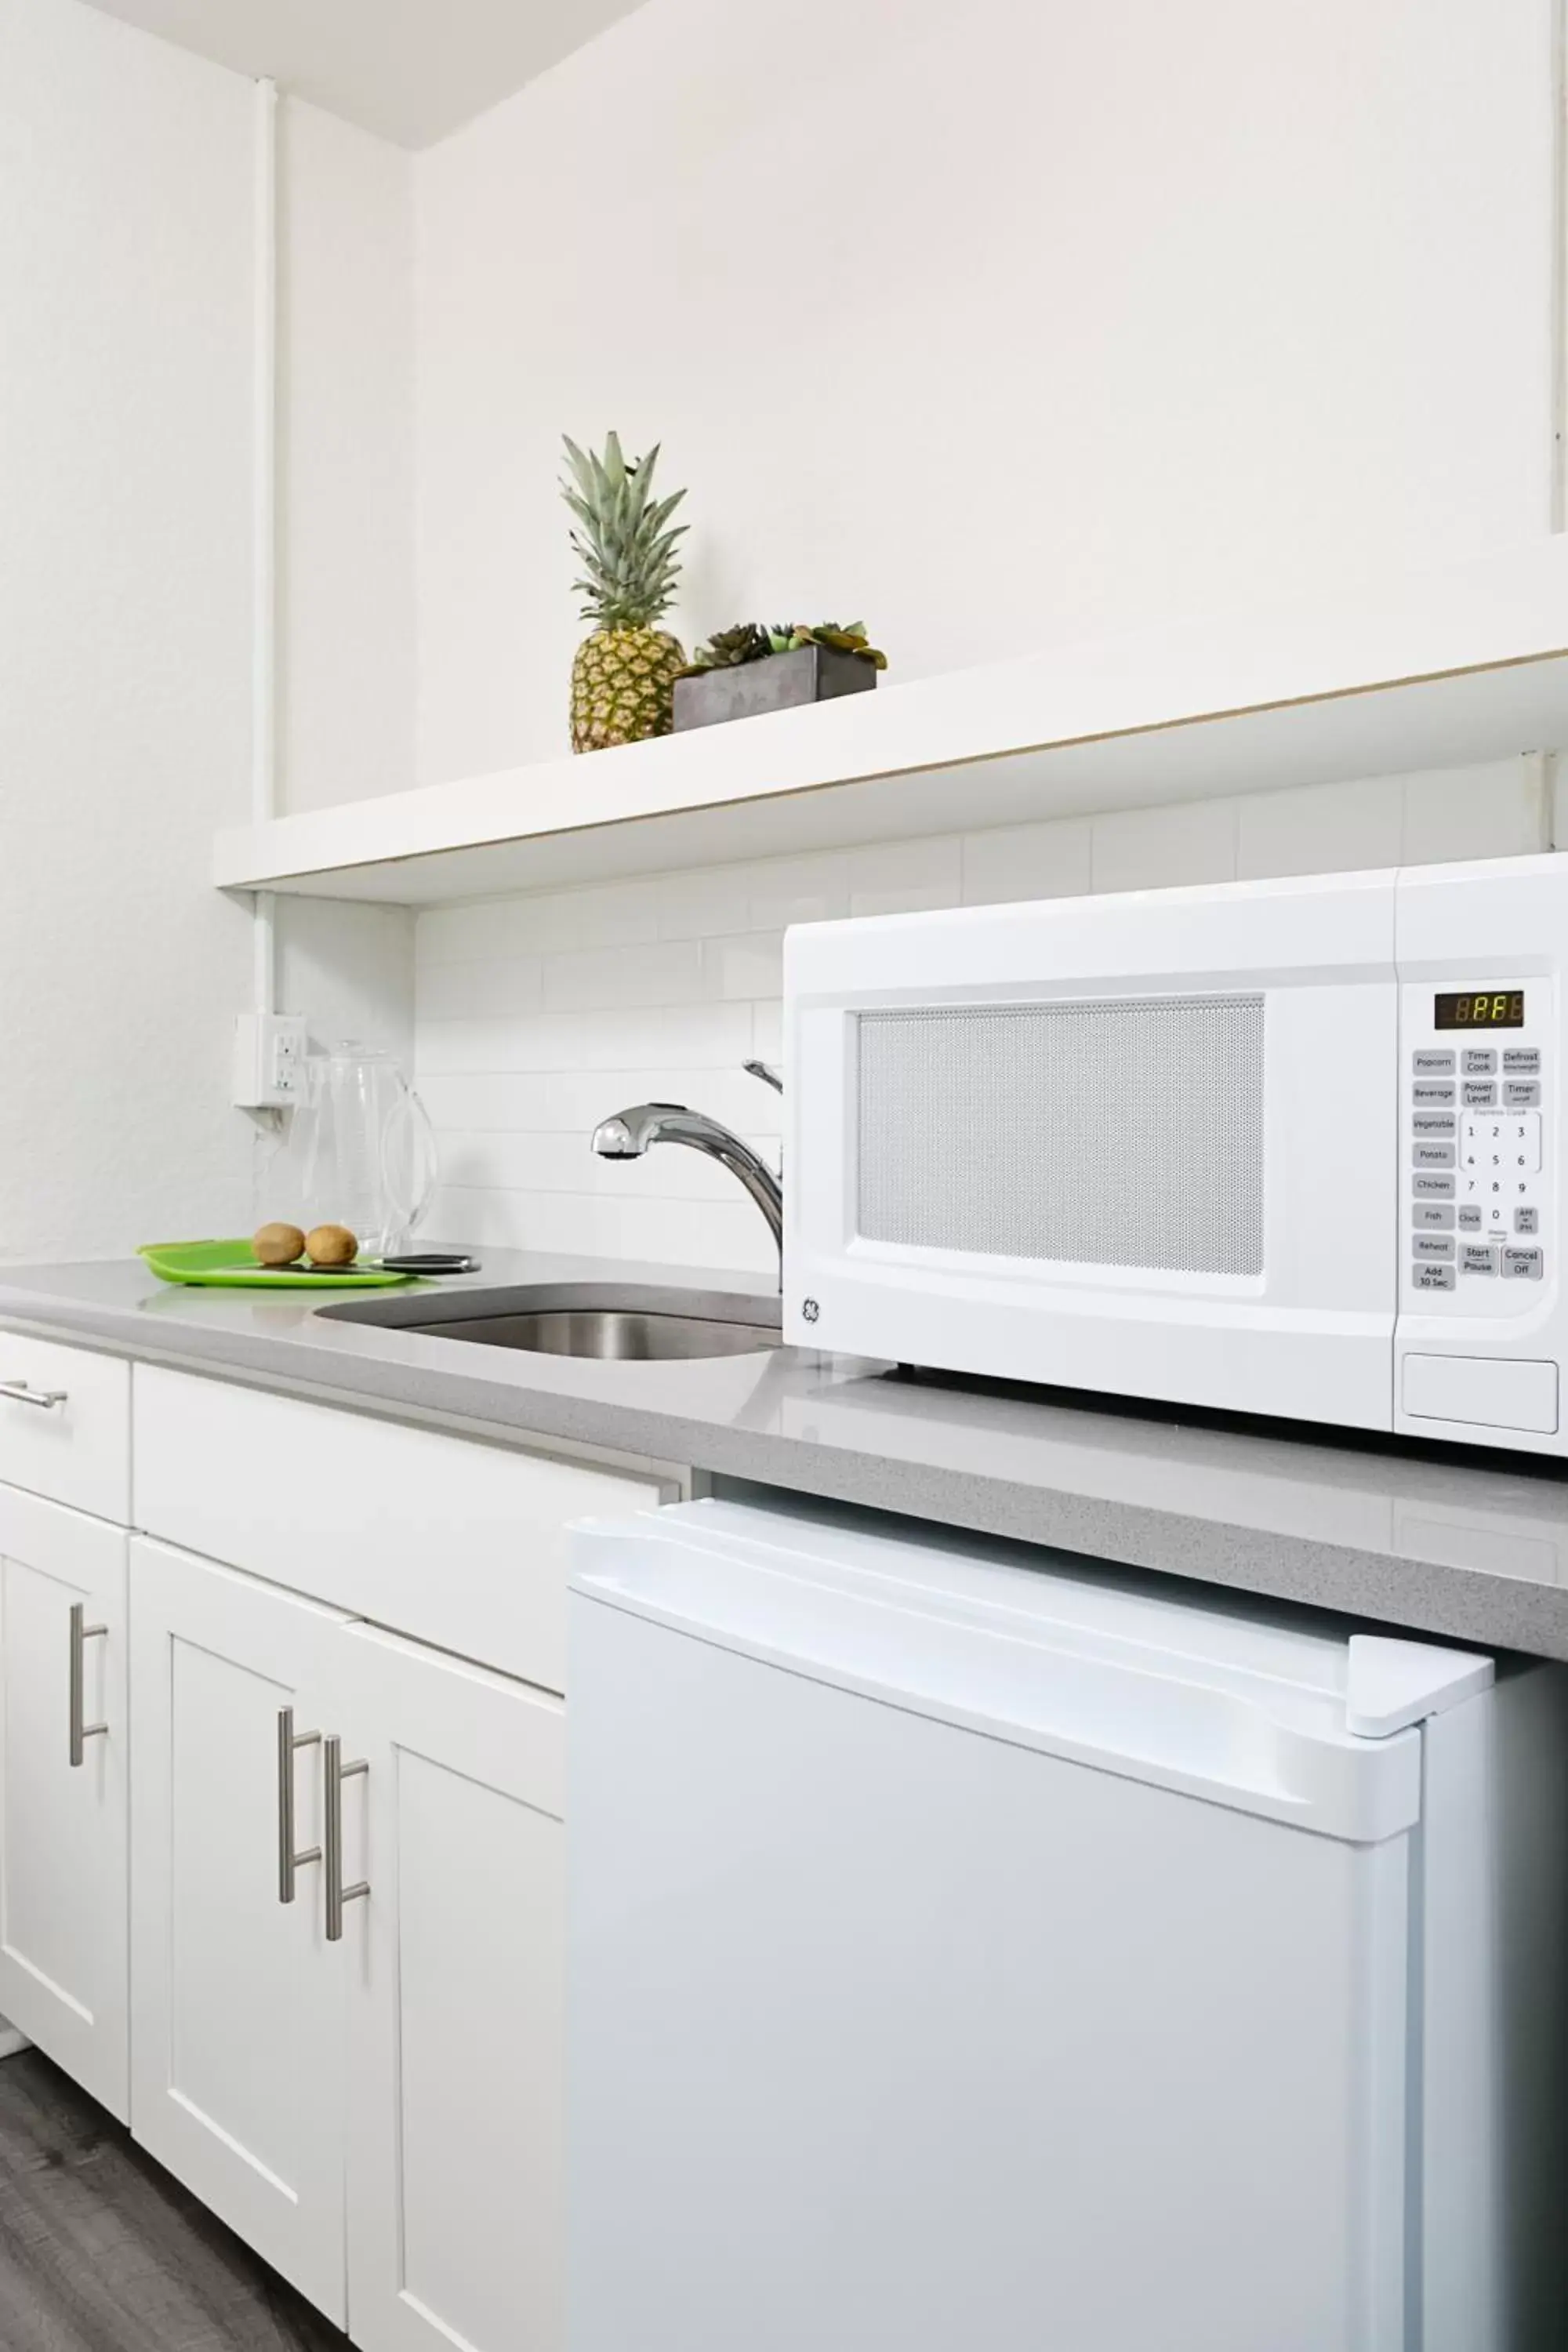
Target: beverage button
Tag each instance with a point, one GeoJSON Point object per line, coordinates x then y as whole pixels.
{"type": "Point", "coordinates": [1527, 1221]}
{"type": "Point", "coordinates": [1432, 1155]}
{"type": "Point", "coordinates": [1432, 1188]}
{"type": "Point", "coordinates": [1522, 1094]}
{"type": "Point", "coordinates": [1478, 1257]}
{"type": "Point", "coordinates": [1470, 1217]}
{"type": "Point", "coordinates": [1432, 1062]}
{"type": "Point", "coordinates": [1437, 1214]}
{"type": "Point", "coordinates": [1479, 1095]}
{"type": "Point", "coordinates": [1522, 1264]}
{"type": "Point", "coordinates": [1432, 1277]}
{"type": "Point", "coordinates": [1481, 1062]}
{"type": "Point", "coordinates": [1432, 1096]}
{"type": "Point", "coordinates": [1522, 1061]}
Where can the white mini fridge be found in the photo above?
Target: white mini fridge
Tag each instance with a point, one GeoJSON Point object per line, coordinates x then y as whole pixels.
{"type": "Point", "coordinates": [972, 1951]}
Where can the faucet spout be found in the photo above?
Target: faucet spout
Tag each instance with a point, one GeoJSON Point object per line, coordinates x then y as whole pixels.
{"type": "Point", "coordinates": [628, 1134]}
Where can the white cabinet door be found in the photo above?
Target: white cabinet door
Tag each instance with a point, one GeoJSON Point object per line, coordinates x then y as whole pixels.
{"type": "Point", "coordinates": [63, 1907]}
{"type": "Point", "coordinates": [238, 1999]}
{"type": "Point", "coordinates": [455, 1963]}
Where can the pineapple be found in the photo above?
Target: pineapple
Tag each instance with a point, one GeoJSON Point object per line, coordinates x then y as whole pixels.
{"type": "Point", "coordinates": [623, 679]}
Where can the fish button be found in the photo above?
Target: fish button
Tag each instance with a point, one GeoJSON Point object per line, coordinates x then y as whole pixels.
{"type": "Point", "coordinates": [1432, 1277]}
{"type": "Point", "coordinates": [1522, 1264]}
{"type": "Point", "coordinates": [1478, 1257]}
{"type": "Point", "coordinates": [1439, 1214]}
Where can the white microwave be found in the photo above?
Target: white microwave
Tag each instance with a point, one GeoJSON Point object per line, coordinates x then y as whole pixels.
{"type": "Point", "coordinates": [1285, 1147]}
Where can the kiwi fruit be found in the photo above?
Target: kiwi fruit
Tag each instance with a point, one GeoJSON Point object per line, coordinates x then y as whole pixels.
{"type": "Point", "coordinates": [277, 1244]}
{"type": "Point", "coordinates": [331, 1245]}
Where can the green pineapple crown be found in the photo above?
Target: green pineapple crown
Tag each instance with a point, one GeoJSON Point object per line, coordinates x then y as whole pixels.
{"type": "Point", "coordinates": [625, 545]}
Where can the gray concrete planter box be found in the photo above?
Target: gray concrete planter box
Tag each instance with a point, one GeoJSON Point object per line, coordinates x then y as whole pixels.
{"type": "Point", "coordinates": [807, 673]}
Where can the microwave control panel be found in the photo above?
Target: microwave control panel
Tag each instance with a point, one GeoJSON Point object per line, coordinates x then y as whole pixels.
{"type": "Point", "coordinates": [1477, 1124]}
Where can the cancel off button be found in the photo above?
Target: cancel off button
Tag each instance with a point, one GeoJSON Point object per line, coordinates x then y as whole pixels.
{"type": "Point", "coordinates": [1521, 1265]}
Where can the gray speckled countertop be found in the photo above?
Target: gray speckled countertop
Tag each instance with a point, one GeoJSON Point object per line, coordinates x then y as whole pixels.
{"type": "Point", "coordinates": [1475, 1551]}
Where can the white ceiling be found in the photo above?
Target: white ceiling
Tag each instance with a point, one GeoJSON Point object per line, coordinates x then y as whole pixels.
{"type": "Point", "coordinates": [409, 69]}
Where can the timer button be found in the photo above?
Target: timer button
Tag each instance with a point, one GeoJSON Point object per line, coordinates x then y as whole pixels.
{"type": "Point", "coordinates": [1522, 1094]}
{"type": "Point", "coordinates": [1481, 1062]}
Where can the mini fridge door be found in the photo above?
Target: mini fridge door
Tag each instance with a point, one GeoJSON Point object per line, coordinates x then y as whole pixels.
{"type": "Point", "coordinates": [963, 1957]}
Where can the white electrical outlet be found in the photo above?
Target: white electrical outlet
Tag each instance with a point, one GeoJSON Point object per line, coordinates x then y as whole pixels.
{"type": "Point", "coordinates": [268, 1060]}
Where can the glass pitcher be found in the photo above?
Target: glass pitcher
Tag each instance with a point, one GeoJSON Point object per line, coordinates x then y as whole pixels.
{"type": "Point", "coordinates": [368, 1155]}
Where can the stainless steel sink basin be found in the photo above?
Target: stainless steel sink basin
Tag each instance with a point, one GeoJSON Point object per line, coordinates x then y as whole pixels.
{"type": "Point", "coordinates": [636, 1324]}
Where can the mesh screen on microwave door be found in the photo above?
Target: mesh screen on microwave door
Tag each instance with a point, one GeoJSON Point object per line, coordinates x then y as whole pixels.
{"type": "Point", "coordinates": [1125, 1133]}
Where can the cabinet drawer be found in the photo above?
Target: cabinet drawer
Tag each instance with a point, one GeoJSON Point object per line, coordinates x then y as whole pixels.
{"type": "Point", "coordinates": [75, 1450]}
{"type": "Point", "coordinates": [447, 1539]}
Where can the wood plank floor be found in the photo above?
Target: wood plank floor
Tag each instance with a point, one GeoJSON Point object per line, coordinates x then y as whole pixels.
{"type": "Point", "coordinates": [102, 2252]}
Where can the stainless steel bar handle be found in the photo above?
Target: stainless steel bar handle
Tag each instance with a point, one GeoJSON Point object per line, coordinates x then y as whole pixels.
{"type": "Point", "coordinates": [44, 1399]}
{"type": "Point", "coordinates": [81, 1634]}
{"type": "Point", "coordinates": [289, 1742]}
{"type": "Point", "coordinates": [337, 1772]}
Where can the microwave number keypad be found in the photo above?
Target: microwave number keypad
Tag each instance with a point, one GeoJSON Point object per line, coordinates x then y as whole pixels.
{"type": "Point", "coordinates": [1475, 1147]}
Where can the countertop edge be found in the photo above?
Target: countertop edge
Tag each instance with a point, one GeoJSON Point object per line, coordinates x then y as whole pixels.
{"type": "Point", "coordinates": [1427, 1596]}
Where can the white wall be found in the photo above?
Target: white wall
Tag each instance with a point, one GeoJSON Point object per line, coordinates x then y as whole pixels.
{"type": "Point", "coordinates": [538, 1016]}
{"type": "Point", "coordinates": [993, 326]}
{"type": "Point", "coordinates": [345, 461]}
{"type": "Point", "coordinates": [125, 392]}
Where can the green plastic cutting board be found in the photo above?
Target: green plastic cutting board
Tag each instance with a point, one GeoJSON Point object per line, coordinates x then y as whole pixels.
{"type": "Point", "coordinates": [229, 1265]}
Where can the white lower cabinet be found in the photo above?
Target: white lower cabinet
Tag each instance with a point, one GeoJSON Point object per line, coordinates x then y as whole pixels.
{"type": "Point", "coordinates": [379, 2111]}
{"type": "Point", "coordinates": [455, 1997]}
{"type": "Point", "coordinates": [238, 2064]}
{"type": "Point", "coordinates": [63, 1779]}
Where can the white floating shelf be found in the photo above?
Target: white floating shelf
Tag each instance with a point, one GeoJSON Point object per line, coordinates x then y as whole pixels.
{"type": "Point", "coordinates": [1457, 665]}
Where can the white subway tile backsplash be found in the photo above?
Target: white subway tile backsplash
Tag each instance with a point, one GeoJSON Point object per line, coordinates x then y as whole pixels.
{"type": "Point", "coordinates": [784, 890]}
{"type": "Point", "coordinates": [899, 878]}
{"type": "Point", "coordinates": [1499, 808]}
{"type": "Point", "coordinates": [538, 1016]}
{"type": "Point", "coordinates": [1150, 849]}
{"type": "Point", "coordinates": [599, 978]}
{"type": "Point", "coordinates": [1322, 829]}
{"type": "Point", "coordinates": [1051, 860]}
{"type": "Point", "coordinates": [750, 967]}
{"type": "Point", "coordinates": [481, 989]}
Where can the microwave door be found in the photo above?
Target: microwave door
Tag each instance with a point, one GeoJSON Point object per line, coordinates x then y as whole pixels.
{"type": "Point", "coordinates": [1142, 1146]}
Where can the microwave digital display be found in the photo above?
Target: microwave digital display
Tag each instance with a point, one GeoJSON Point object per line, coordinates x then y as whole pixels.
{"type": "Point", "coordinates": [1487, 1008]}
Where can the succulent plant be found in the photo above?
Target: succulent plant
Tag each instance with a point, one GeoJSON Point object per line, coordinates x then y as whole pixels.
{"type": "Point", "coordinates": [728, 649]}
{"type": "Point", "coordinates": [845, 637]}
